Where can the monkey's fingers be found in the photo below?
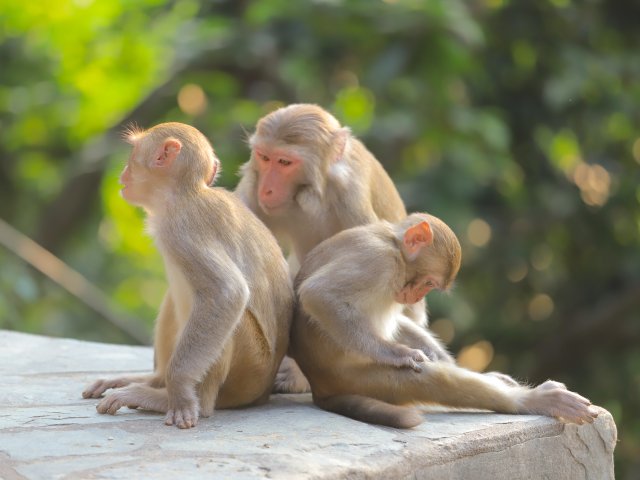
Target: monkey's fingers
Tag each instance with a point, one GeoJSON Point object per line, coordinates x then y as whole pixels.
{"type": "Point", "coordinates": [110, 404]}
{"type": "Point", "coordinates": [553, 399]}
{"type": "Point", "coordinates": [408, 362]}
{"type": "Point", "coordinates": [438, 355]}
{"type": "Point", "coordinates": [576, 408]}
{"type": "Point", "coordinates": [96, 389]}
{"type": "Point", "coordinates": [100, 386]}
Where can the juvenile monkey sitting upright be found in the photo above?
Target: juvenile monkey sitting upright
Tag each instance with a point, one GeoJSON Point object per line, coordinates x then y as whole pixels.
{"type": "Point", "coordinates": [224, 324]}
{"type": "Point", "coordinates": [365, 359]}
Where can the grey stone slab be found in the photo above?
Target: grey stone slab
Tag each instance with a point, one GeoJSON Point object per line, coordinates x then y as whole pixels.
{"type": "Point", "coordinates": [48, 431]}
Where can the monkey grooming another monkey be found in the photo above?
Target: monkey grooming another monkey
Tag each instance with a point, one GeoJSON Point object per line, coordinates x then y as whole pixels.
{"type": "Point", "coordinates": [223, 326]}
{"type": "Point", "coordinates": [364, 359]}
{"type": "Point", "coordinates": [307, 179]}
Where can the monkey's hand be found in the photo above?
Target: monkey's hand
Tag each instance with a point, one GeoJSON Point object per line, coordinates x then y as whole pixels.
{"type": "Point", "coordinates": [436, 353]}
{"type": "Point", "coordinates": [553, 399]}
{"type": "Point", "coordinates": [183, 408]}
{"type": "Point", "coordinates": [408, 358]}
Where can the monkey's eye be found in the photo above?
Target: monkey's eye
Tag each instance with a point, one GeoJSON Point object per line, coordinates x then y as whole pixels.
{"type": "Point", "coordinates": [284, 161]}
{"type": "Point", "coordinates": [429, 284]}
{"type": "Point", "coordinates": [264, 158]}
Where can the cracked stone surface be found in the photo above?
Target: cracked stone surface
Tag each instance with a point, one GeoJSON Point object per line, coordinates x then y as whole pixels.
{"type": "Point", "coordinates": [48, 431]}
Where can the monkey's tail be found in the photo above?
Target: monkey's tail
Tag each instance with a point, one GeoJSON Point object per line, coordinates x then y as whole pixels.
{"type": "Point", "coordinates": [371, 410]}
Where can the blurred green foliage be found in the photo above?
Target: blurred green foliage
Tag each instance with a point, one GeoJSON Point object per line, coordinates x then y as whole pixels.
{"type": "Point", "coordinates": [516, 122]}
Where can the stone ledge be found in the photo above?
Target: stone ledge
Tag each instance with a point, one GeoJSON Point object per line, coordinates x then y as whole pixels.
{"type": "Point", "coordinates": [48, 431]}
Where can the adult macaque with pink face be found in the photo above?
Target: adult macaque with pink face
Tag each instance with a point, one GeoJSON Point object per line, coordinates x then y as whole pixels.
{"type": "Point", "coordinates": [365, 359]}
{"type": "Point", "coordinates": [309, 178]}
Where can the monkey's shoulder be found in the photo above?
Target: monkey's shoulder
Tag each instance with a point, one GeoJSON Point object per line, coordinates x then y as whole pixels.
{"type": "Point", "coordinates": [357, 246]}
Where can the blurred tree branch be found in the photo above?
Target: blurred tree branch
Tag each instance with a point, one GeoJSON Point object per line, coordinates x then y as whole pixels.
{"type": "Point", "coordinates": [70, 280]}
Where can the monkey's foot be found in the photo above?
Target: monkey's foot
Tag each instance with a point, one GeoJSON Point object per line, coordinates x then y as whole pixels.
{"type": "Point", "coordinates": [115, 401]}
{"type": "Point", "coordinates": [185, 417]}
{"type": "Point", "coordinates": [100, 386]}
{"type": "Point", "coordinates": [291, 382]}
{"type": "Point", "coordinates": [553, 399]}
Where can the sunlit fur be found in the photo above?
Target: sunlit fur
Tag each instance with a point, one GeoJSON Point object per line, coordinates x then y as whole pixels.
{"type": "Point", "coordinates": [343, 186]}
{"type": "Point", "coordinates": [365, 359]}
{"type": "Point", "coordinates": [223, 326]}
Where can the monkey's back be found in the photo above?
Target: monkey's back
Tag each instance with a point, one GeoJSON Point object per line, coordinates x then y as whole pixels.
{"type": "Point", "coordinates": [385, 199]}
{"type": "Point", "coordinates": [227, 226]}
{"type": "Point", "coordinates": [256, 252]}
{"type": "Point", "coordinates": [321, 356]}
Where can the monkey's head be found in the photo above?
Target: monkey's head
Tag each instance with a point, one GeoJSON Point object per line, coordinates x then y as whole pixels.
{"type": "Point", "coordinates": [291, 151]}
{"type": "Point", "coordinates": [432, 252]}
{"type": "Point", "coordinates": [170, 157]}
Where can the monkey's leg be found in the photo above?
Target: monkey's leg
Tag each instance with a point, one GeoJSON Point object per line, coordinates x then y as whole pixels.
{"type": "Point", "coordinates": [135, 395]}
{"type": "Point", "coordinates": [290, 378]}
{"type": "Point", "coordinates": [354, 330]}
{"type": "Point", "coordinates": [165, 335]}
{"type": "Point", "coordinates": [503, 377]}
{"type": "Point", "coordinates": [210, 386]}
{"type": "Point", "coordinates": [414, 336]}
{"type": "Point", "coordinates": [210, 327]}
{"type": "Point", "coordinates": [457, 387]}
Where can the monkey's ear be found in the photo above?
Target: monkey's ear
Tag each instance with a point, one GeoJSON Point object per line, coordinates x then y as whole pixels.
{"type": "Point", "coordinates": [167, 153]}
{"type": "Point", "coordinates": [340, 142]}
{"type": "Point", "coordinates": [417, 237]}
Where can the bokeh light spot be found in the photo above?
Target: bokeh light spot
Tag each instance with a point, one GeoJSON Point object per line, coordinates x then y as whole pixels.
{"type": "Point", "coordinates": [540, 307]}
{"type": "Point", "coordinates": [541, 257]}
{"type": "Point", "coordinates": [192, 99]}
{"type": "Point", "coordinates": [478, 232]}
{"type": "Point", "coordinates": [517, 271]}
{"type": "Point", "coordinates": [477, 356]}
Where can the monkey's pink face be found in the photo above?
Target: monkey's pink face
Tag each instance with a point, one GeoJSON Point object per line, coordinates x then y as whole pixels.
{"type": "Point", "coordinates": [280, 171]}
{"type": "Point", "coordinates": [416, 290]}
{"type": "Point", "coordinates": [133, 190]}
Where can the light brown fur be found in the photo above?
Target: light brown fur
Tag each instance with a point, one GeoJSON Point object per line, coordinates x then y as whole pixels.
{"type": "Point", "coordinates": [342, 185]}
{"type": "Point", "coordinates": [365, 359]}
{"type": "Point", "coordinates": [222, 329]}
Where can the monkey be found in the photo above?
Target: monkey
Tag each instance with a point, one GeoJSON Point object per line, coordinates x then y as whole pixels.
{"type": "Point", "coordinates": [309, 178]}
{"type": "Point", "coordinates": [223, 327]}
{"type": "Point", "coordinates": [365, 359]}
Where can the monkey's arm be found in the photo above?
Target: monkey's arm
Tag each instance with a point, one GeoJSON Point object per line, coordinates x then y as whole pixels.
{"type": "Point", "coordinates": [415, 336]}
{"type": "Point", "coordinates": [336, 310]}
{"type": "Point", "coordinates": [220, 296]}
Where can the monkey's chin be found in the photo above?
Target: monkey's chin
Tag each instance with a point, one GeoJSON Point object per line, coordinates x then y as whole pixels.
{"type": "Point", "coordinates": [274, 211]}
